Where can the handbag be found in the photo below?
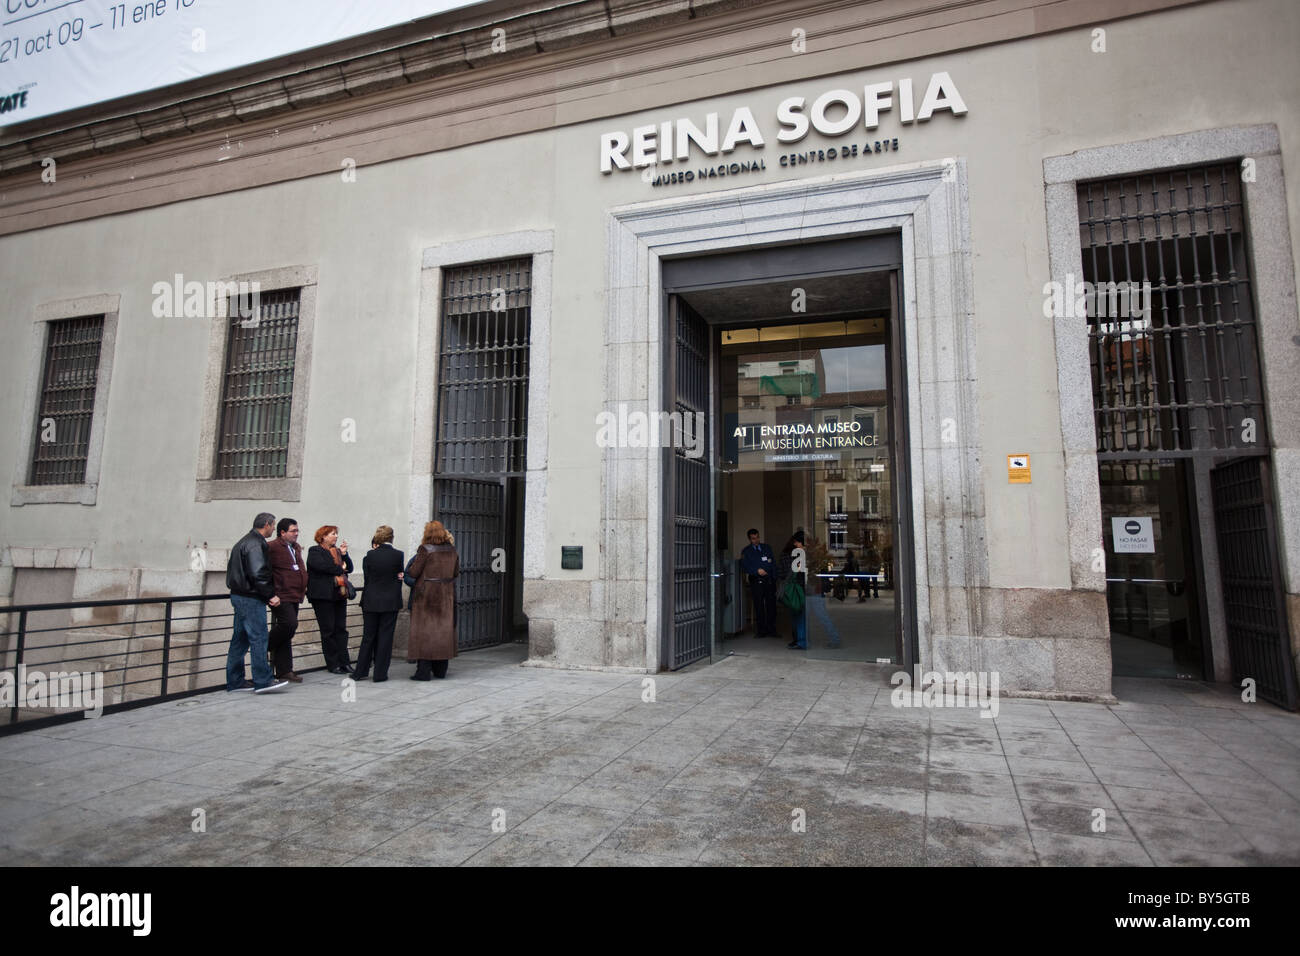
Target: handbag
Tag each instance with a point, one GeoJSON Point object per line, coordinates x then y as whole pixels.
{"type": "Point", "coordinates": [793, 596]}
{"type": "Point", "coordinates": [349, 591]}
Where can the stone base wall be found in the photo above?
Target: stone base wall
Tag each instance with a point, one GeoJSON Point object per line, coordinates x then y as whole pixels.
{"type": "Point", "coordinates": [1037, 639]}
{"type": "Point", "coordinates": [567, 627]}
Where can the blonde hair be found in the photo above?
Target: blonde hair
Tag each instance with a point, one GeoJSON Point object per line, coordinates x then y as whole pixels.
{"type": "Point", "coordinates": [435, 533]}
{"type": "Point", "coordinates": [383, 535]}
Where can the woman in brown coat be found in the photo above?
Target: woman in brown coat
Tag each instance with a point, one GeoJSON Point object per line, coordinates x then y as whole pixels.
{"type": "Point", "coordinates": [433, 603]}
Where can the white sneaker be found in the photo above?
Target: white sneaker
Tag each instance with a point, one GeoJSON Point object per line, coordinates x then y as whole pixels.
{"type": "Point", "coordinates": [274, 685]}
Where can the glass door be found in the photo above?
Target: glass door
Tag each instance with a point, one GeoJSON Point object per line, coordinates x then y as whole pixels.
{"type": "Point", "coordinates": [804, 459]}
{"type": "Point", "coordinates": [1151, 587]}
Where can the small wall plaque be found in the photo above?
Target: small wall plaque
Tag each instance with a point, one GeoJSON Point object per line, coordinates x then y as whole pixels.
{"type": "Point", "coordinates": [1018, 472]}
{"type": "Point", "coordinates": [571, 557]}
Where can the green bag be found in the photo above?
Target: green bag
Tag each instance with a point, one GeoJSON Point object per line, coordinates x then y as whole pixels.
{"type": "Point", "coordinates": [792, 595]}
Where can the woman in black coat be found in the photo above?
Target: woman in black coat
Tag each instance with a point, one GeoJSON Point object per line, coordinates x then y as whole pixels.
{"type": "Point", "coordinates": [328, 566]}
{"type": "Point", "coordinates": [380, 601]}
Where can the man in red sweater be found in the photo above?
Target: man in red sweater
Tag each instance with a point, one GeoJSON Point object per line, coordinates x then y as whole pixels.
{"type": "Point", "coordinates": [289, 570]}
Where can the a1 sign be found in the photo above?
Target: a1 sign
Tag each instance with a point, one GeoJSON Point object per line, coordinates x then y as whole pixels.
{"type": "Point", "coordinates": [1133, 535]}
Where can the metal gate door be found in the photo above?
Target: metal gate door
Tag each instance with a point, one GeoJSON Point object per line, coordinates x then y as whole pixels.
{"type": "Point", "coordinates": [472, 511]}
{"type": "Point", "coordinates": [687, 547]}
{"type": "Point", "coordinates": [1252, 585]}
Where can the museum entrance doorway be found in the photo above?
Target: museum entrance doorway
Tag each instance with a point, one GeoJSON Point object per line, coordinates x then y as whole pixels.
{"type": "Point", "coordinates": [791, 360]}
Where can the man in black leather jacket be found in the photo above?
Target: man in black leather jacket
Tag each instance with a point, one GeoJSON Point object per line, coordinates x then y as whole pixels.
{"type": "Point", "coordinates": [248, 575]}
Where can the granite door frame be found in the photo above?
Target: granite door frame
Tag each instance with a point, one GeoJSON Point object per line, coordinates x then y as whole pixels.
{"type": "Point", "coordinates": [928, 204]}
{"type": "Point", "coordinates": [1273, 284]}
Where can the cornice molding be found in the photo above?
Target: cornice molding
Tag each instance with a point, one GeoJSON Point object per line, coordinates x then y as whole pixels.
{"type": "Point", "coordinates": [386, 99]}
{"type": "Point", "coordinates": [352, 68]}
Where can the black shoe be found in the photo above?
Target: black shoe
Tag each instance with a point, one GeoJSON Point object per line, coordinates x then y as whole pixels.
{"type": "Point", "coordinates": [361, 676]}
{"type": "Point", "coordinates": [378, 680]}
{"type": "Point", "coordinates": [793, 645]}
{"type": "Point", "coordinates": [419, 676]}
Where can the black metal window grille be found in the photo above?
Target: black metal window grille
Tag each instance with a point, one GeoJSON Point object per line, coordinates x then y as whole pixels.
{"type": "Point", "coordinates": [257, 391]}
{"type": "Point", "coordinates": [67, 401]}
{"type": "Point", "coordinates": [1175, 371]}
{"type": "Point", "coordinates": [483, 372]}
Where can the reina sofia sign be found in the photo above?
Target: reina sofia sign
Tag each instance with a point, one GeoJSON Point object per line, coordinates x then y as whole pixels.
{"type": "Point", "coordinates": [834, 113]}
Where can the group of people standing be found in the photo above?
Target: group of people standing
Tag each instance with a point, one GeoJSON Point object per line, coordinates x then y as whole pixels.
{"type": "Point", "coordinates": [280, 576]}
{"type": "Point", "coordinates": [774, 581]}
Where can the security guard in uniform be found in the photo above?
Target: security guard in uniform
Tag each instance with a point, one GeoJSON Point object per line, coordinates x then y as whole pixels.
{"type": "Point", "coordinates": [760, 568]}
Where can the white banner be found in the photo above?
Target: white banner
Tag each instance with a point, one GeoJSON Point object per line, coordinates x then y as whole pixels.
{"type": "Point", "coordinates": [58, 55]}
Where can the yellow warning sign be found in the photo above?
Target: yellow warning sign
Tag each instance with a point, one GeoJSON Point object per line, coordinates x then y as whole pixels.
{"type": "Point", "coordinates": [1018, 469]}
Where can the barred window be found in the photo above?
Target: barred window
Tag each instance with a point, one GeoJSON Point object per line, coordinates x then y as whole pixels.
{"type": "Point", "coordinates": [483, 373]}
{"type": "Point", "coordinates": [257, 388]}
{"type": "Point", "coordinates": [1172, 342]}
{"type": "Point", "coordinates": [67, 401]}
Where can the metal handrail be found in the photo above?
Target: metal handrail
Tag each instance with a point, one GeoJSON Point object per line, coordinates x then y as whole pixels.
{"type": "Point", "coordinates": [134, 658]}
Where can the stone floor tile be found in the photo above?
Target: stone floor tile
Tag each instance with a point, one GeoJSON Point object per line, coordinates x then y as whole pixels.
{"type": "Point", "coordinates": [866, 836]}
{"type": "Point", "coordinates": [1048, 790]}
{"type": "Point", "coordinates": [1077, 820]}
{"type": "Point", "coordinates": [1061, 849]}
{"type": "Point", "coordinates": [1180, 803]}
{"type": "Point", "coordinates": [607, 797]}
{"type": "Point", "coordinates": [1254, 788]}
{"type": "Point", "coordinates": [901, 799]}
{"type": "Point", "coordinates": [352, 833]}
{"type": "Point", "coordinates": [973, 782]}
{"type": "Point", "coordinates": [1143, 779]}
{"type": "Point", "coordinates": [572, 823]}
{"type": "Point", "coordinates": [433, 843]}
{"type": "Point", "coordinates": [1075, 770]}
{"type": "Point", "coordinates": [746, 848]}
{"type": "Point", "coordinates": [994, 763]}
{"type": "Point", "coordinates": [603, 856]}
{"type": "Point", "coordinates": [886, 774]}
{"type": "Point", "coordinates": [974, 808]}
{"type": "Point", "coordinates": [1123, 757]}
{"type": "Point", "coordinates": [293, 853]}
{"type": "Point", "coordinates": [951, 842]}
{"type": "Point", "coordinates": [1166, 832]}
{"type": "Point", "coordinates": [660, 836]}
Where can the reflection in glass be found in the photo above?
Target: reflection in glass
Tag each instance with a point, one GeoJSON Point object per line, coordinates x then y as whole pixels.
{"type": "Point", "coordinates": [805, 447]}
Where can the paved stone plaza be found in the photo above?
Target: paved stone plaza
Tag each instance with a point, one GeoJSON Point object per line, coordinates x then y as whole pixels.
{"type": "Point", "coordinates": [508, 765]}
